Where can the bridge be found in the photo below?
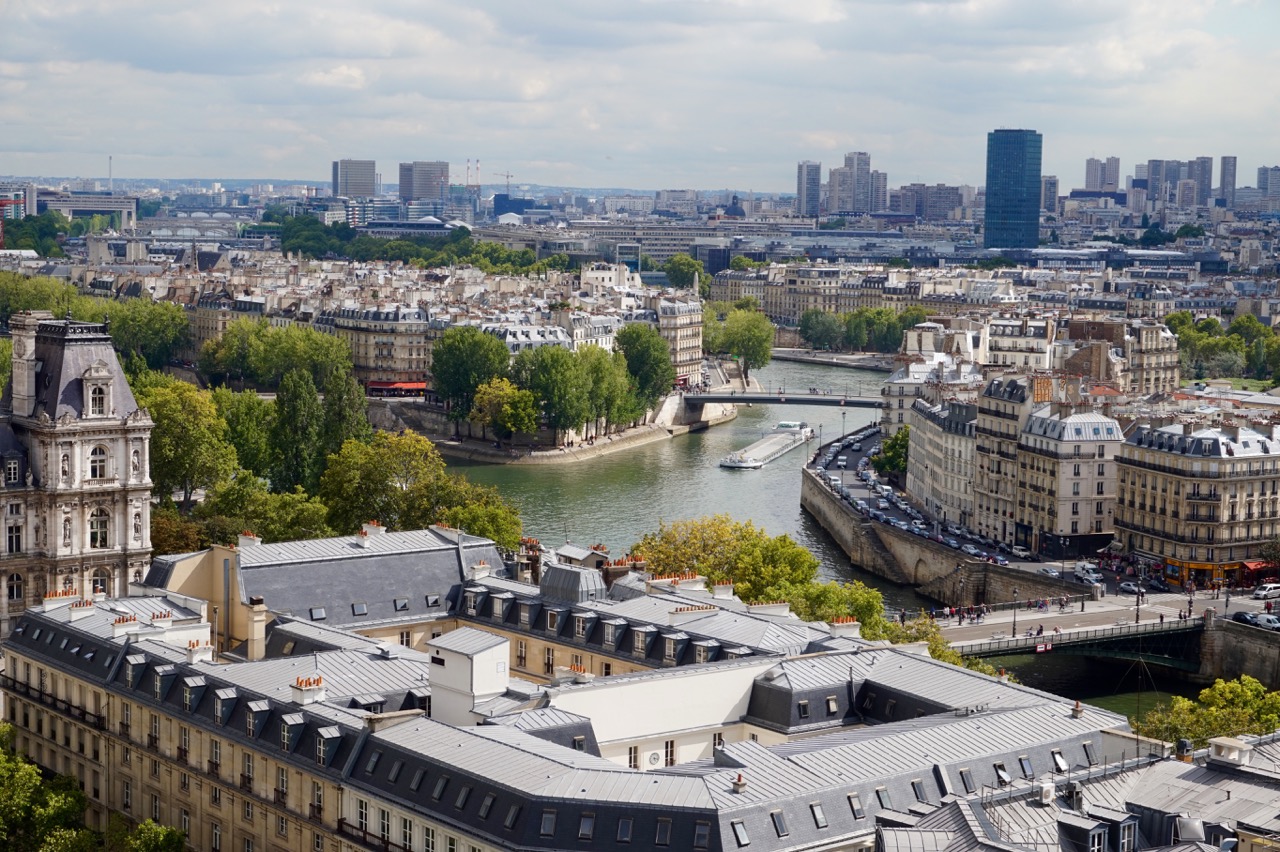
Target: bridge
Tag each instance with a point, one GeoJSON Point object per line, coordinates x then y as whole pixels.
{"type": "Point", "coordinates": [1174, 643]}
{"type": "Point", "coordinates": [781, 397]}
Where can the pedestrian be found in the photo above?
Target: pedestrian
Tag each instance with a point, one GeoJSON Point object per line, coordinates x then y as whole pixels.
{"type": "Point", "coordinates": [1162, 618]}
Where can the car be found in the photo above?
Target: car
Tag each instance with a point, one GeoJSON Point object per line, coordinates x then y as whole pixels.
{"type": "Point", "coordinates": [842, 462]}
{"type": "Point", "coordinates": [984, 541]}
{"type": "Point", "coordinates": [1128, 587]}
{"type": "Point", "coordinates": [1250, 618]}
{"type": "Point", "coordinates": [1020, 552]}
{"type": "Point", "coordinates": [1003, 547]}
{"type": "Point", "coordinates": [882, 504]}
{"type": "Point", "coordinates": [1267, 590]}
{"type": "Point", "coordinates": [970, 550]}
{"type": "Point", "coordinates": [1000, 560]}
{"type": "Point", "coordinates": [1270, 622]}
{"type": "Point", "coordinates": [917, 523]}
{"type": "Point", "coordinates": [1156, 584]}
{"type": "Point", "coordinates": [860, 505]}
{"type": "Point", "coordinates": [1051, 572]}
{"type": "Point", "coordinates": [952, 543]}
{"type": "Point", "coordinates": [877, 515]}
{"type": "Point", "coordinates": [856, 447]}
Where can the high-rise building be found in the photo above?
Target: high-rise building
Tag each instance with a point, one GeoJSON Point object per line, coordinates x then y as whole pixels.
{"type": "Point", "coordinates": [860, 163]}
{"type": "Point", "coordinates": [1049, 194]}
{"type": "Point", "coordinates": [840, 190]}
{"type": "Point", "coordinates": [1201, 171]}
{"type": "Point", "coordinates": [1269, 180]}
{"type": "Point", "coordinates": [355, 178]}
{"type": "Point", "coordinates": [1111, 175]}
{"type": "Point", "coordinates": [1013, 189]}
{"type": "Point", "coordinates": [1227, 182]}
{"type": "Point", "coordinates": [424, 181]}
{"type": "Point", "coordinates": [1093, 174]}
{"type": "Point", "coordinates": [879, 191]}
{"type": "Point", "coordinates": [808, 188]}
{"type": "Point", "coordinates": [1186, 193]}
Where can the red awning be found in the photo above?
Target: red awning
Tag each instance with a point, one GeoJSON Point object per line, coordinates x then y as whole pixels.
{"type": "Point", "coordinates": [397, 385]}
{"type": "Point", "coordinates": [1255, 564]}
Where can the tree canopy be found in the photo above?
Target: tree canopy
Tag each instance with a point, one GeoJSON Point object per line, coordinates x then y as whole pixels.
{"type": "Point", "coordinates": [189, 446]}
{"type": "Point", "coordinates": [893, 453]}
{"type": "Point", "coordinates": [648, 361]}
{"type": "Point", "coordinates": [683, 271]}
{"type": "Point", "coordinates": [462, 360]}
{"type": "Point", "coordinates": [262, 353]}
{"type": "Point", "coordinates": [1228, 708]}
{"type": "Point", "coordinates": [821, 329]}
{"type": "Point", "coordinates": [505, 408]}
{"type": "Point", "coordinates": [748, 336]}
{"type": "Point", "coordinates": [1245, 348]}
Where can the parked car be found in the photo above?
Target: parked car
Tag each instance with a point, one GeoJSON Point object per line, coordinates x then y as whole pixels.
{"type": "Point", "coordinates": [1129, 587]}
{"type": "Point", "coordinates": [1270, 622]}
{"type": "Point", "coordinates": [882, 504]}
{"type": "Point", "coordinates": [970, 550]}
{"type": "Point", "coordinates": [842, 462]}
{"type": "Point", "coordinates": [1020, 552]}
{"type": "Point", "coordinates": [952, 543]}
{"type": "Point", "coordinates": [1051, 572]}
{"type": "Point", "coordinates": [1156, 584]}
{"type": "Point", "coordinates": [856, 447]}
{"type": "Point", "coordinates": [1250, 618]}
{"type": "Point", "coordinates": [1000, 560]}
{"type": "Point", "coordinates": [860, 505]}
{"type": "Point", "coordinates": [1267, 590]}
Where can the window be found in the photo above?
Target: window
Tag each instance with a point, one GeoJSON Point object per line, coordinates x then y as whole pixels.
{"type": "Point", "coordinates": [215, 837]}
{"type": "Point", "coordinates": [463, 795]}
{"type": "Point", "coordinates": [359, 609]}
{"type": "Point", "coordinates": [833, 706]}
{"type": "Point", "coordinates": [669, 752]}
{"type": "Point", "coordinates": [15, 538]}
{"type": "Point", "coordinates": [126, 795]}
{"type": "Point", "coordinates": [521, 654]}
{"type": "Point", "coordinates": [883, 797]}
{"type": "Point", "coordinates": [547, 827]}
{"type": "Point", "coordinates": [215, 751]}
{"type": "Point", "coordinates": [1059, 762]}
{"type": "Point", "coordinates": [579, 743]}
{"type": "Point", "coordinates": [1002, 774]}
{"type": "Point", "coordinates": [586, 826]}
{"type": "Point", "coordinates": [248, 811]}
{"type": "Point", "coordinates": [417, 779]}
{"type": "Point", "coordinates": [1024, 763]}
{"type": "Point", "coordinates": [624, 830]}
{"type": "Point", "coordinates": [406, 833]}
{"type": "Point", "coordinates": [1090, 754]}
{"type": "Point", "coordinates": [819, 818]}
{"type": "Point", "coordinates": [889, 707]}
{"type": "Point", "coordinates": [553, 621]}
{"type": "Point", "coordinates": [441, 783]}
{"type": "Point", "coordinates": [406, 638]}
{"type": "Point", "coordinates": [804, 709]}
{"type": "Point", "coordinates": [740, 833]}
{"type": "Point", "coordinates": [717, 740]}
{"type": "Point", "coordinates": [966, 778]}
{"type": "Point", "coordinates": [662, 835]}
{"type": "Point", "coordinates": [322, 756]}
{"type": "Point", "coordinates": [549, 661]}
{"type": "Point", "coordinates": [372, 763]}
{"type": "Point", "coordinates": [869, 701]}
{"type": "Point", "coordinates": [1126, 837]}
{"type": "Point", "coordinates": [513, 814]}
{"type": "Point", "coordinates": [606, 669]}
{"type": "Point", "coordinates": [184, 821]}
{"type": "Point", "coordinates": [1098, 841]}
{"type": "Point", "coordinates": [98, 523]}
{"type": "Point", "coordinates": [215, 797]}
{"type": "Point", "coordinates": [317, 613]}
{"type": "Point", "coordinates": [579, 626]}
{"type": "Point", "coordinates": [486, 805]}
{"type": "Point", "coordinates": [98, 401]}
{"type": "Point", "coordinates": [282, 826]}
{"type": "Point", "coordinates": [384, 824]}
{"type": "Point", "coordinates": [248, 765]}
{"type": "Point", "coordinates": [15, 587]}
{"type": "Point", "coordinates": [98, 463]}
{"type": "Point", "coordinates": [637, 642]}
{"type": "Point", "coordinates": [917, 789]}
{"type": "Point", "coordinates": [428, 839]}
{"type": "Point", "coordinates": [633, 757]}
{"type": "Point", "coordinates": [362, 814]}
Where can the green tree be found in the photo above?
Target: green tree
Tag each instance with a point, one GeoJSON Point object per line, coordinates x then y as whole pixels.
{"type": "Point", "coordinates": [189, 447]}
{"type": "Point", "coordinates": [505, 408]}
{"type": "Point", "coordinates": [1189, 231]}
{"type": "Point", "coordinates": [287, 516]}
{"type": "Point", "coordinates": [820, 329]}
{"type": "Point", "coordinates": [172, 533]}
{"type": "Point", "coordinates": [740, 262]}
{"type": "Point", "coordinates": [1178, 320]}
{"type": "Point", "coordinates": [558, 382]}
{"type": "Point", "coordinates": [893, 453]}
{"type": "Point", "coordinates": [1248, 328]}
{"type": "Point", "coordinates": [462, 360]}
{"type": "Point", "coordinates": [683, 271]}
{"type": "Point", "coordinates": [610, 400]}
{"type": "Point", "coordinates": [748, 336]}
{"type": "Point", "coordinates": [250, 420]}
{"type": "Point", "coordinates": [295, 436]}
{"type": "Point", "coordinates": [648, 361]}
{"type": "Point", "coordinates": [855, 332]}
{"type": "Point", "coordinates": [400, 481]}
{"type": "Point", "coordinates": [1227, 708]}
{"type": "Point", "coordinates": [152, 837]}
{"type": "Point", "coordinates": [154, 331]}
{"type": "Point", "coordinates": [37, 815]}
{"type": "Point", "coordinates": [345, 414]}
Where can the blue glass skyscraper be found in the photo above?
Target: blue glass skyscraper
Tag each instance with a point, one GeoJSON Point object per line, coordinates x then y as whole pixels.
{"type": "Point", "coordinates": [1013, 189]}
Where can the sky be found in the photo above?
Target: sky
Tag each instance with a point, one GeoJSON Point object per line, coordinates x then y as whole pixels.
{"type": "Point", "coordinates": [652, 94]}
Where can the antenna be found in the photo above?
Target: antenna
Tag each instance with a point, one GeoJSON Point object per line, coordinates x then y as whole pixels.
{"type": "Point", "coordinates": [111, 180]}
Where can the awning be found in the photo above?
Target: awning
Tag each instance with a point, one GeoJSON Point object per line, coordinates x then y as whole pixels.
{"type": "Point", "coordinates": [1254, 564]}
{"type": "Point", "coordinates": [397, 385]}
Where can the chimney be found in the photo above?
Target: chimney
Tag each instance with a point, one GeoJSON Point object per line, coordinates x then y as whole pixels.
{"type": "Point", "coordinates": [770, 609]}
{"type": "Point", "coordinates": [308, 690]}
{"type": "Point", "coordinates": [162, 618]}
{"type": "Point", "coordinates": [1076, 711]}
{"type": "Point", "coordinates": [685, 614]}
{"type": "Point", "coordinates": [722, 591]}
{"type": "Point", "coordinates": [257, 640]}
{"type": "Point", "coordinates": [480, 570]}
{"type": "Point", "coordinates": [80, 609]}
{"type": "Point", "coordinates": [60, 598]}
{"type": "Point", "coordinates": [846, 627]}
{"type": "Point", "coordinates": [247, 539]}
{"type": "Point", "coordinates": [1230, 750]}
{"type": "Point", "coordinates": [123, 625]}
{"type": "Point", "coordinates": [373, 528]}
{"type": "Point", "coordinates": [23, 327]}
{"type": "Point", "coordinates": [199, 652]}
{"type": "Point", "coordinates": [739, 784]}
{"type": "Point", "coordinates": [1185, 751]}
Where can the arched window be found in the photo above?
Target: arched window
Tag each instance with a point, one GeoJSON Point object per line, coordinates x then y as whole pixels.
{"type": "Point", "coordinates": [99, 522]}
{"type": "Point", "coordinates": [98, 463]}
{"type": "Point", "coordinates": [15, 587]}
{"type": "Point", "coordinates": [98, 401]}
{"type": "Point", "coordinates": [101, 581]}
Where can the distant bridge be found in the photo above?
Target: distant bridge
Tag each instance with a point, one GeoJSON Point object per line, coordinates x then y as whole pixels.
{"type": "Point", "coordinates": [1174, 643]}
{"type": "Point", "coordinates": [785, 398]}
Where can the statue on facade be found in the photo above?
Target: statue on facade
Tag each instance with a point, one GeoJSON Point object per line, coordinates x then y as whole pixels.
{"type": "Point", "coordinates": [66, 532]}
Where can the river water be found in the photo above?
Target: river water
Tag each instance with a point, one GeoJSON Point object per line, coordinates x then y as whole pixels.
{"type": "Point", "coordinates": [615, 499]}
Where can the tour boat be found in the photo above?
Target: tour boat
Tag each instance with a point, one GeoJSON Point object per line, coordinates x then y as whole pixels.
{"type": "Point", "coordinates": [738, 461]}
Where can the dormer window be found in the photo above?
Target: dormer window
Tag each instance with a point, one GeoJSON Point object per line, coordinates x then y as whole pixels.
{"type": "Point", "coordinates": [98, 402]}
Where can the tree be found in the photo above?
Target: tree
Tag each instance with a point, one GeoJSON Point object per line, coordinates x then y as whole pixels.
{"type": "Point", "coordinates": [558, 383]}
{"type": "Point", "coordinates": [250, 420]}
{"type": "Point", "coordinates": [748, 336]}
{"type": "Point", "coordinates": [1178, 320]}
{"type": "Point", "coordinates": [609, 396]}
{"type": "Point", "coordinates": [822, 330]}
{"type": "Point", "coordinates": [505, 408]}
{"type": "Point", "coordinates": [35, 815]}
{"type": "Point", "coordinates": [1228, 708]}
{"type": "Point", "coordinates": [741, 262]}
{"type": "Point", "coordinates": [172, 533]}
{"type": "Point", "coordinates": [189, 447]}
{"type": "Point", "coordinates": [648, 361]}
{"type": "Point", "coordinates": [295, 436]}
{"type": "Point", "coordinates": [245, 501]}
{"type": "Point", "coordinates": [683, 271]}
{"type": "Point", "coordinates": [154, 331]}
{"type": "Point", "coordinates": [345, 414]}
{"type": "Point", "coordinates": [855, 332]}
{"type": "Point", "coordinates": [1189, 231]}
{"type": "Point", "coordinates": [400, 481]}
{"type": "Point", "coordinates": [893, 453]}
{"type": "Point", "coordinates": [462, 360]}
{"type": "Point", "coordinates": [150, 836]}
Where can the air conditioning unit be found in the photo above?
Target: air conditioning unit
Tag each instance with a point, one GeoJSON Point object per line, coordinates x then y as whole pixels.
{"type": "Point", "coordinates": [1047, 793]}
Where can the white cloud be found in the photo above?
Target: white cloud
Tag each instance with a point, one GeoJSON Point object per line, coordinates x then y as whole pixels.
{"type": "Point", "coordinates": [341, 77]}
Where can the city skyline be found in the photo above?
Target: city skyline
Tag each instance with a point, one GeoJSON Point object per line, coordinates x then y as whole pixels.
{"type": "Point", "coordinates": [653, 95]}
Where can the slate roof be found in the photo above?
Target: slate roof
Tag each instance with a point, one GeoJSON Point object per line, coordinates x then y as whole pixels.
{"type": "Point", "coordinates": [64, 351]}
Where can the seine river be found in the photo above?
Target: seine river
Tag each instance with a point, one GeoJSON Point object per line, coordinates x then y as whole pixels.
{"type": "Point", "coordinates": [615, 499]}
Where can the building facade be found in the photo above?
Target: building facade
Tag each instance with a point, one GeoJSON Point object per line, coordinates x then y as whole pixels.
{"type": "Point", "coordinates": [808, 188]}
{"type": "Point", "coordinates": [424, 181]}
{"type": "Point", "coordinates": [1012, 217]}
{"type": "Point", "coordinates": [355, 178]}
{"type": "Point", "coordinates": [940, 460]}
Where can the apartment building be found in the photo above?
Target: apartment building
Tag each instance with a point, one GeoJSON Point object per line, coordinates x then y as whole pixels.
{"type": "Point", "coordinates": [935, 377]}
{"type": "Point", "coordinates": [1066, 495]}
{"type": "Point", "coordinates": [1151, 358]}
{"type": "Point", "coordinates": [390, 344]}
{"type": "Point", "coordinates": [1200, 502]}
{"type": "Point", "coordinates": [1003, 408]}
{"type": "Point", "coordinates": [76, 454]}
{"type": "Point", "coordinates": [1020, 343]}
{"type": "Point", "coordinates": [940, 459]}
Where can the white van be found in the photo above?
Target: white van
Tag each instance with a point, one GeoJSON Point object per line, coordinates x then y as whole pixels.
{"type": "Point", "coordinates": [1267, 590]}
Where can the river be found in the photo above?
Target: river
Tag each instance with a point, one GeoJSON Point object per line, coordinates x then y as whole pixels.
{"type": "Point", "coordinates": [615, 499]}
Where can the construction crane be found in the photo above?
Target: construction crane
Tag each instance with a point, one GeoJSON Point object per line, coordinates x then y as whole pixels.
{"type": "Point", "coordinates": [508, 176]}
{"type": "Point", "coordinates": [6, 202]}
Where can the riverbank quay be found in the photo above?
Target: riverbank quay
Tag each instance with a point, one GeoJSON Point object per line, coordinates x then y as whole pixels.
{"type": "Point", "coordinates": [857, 361]}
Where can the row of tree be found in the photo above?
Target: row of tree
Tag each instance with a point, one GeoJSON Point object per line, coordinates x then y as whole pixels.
{"type": "Point", "coordinates": [476, 377]}
{"type": "Point", "coordinates": [257, 352]}
{"type": "Point", "coordinates": [877, 329]}
{"type": "Point", "coordinates": [39, 814]}
{"type": "Point", "coordinates": [1226, 709]}
{"type": "Point", "coordinates": [738, 330]}
{"type": "Point", "coordinates": [151, 331]}
{"type": "Point", "coordinates": [1206, 349]}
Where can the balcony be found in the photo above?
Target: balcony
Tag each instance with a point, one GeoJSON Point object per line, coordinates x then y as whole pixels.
{"type": "Point", "coordinates": [153, 742]}
{"type": "Point", "coordinates": [368, 839]}
{"type": "Point", "coordinates": [215, 768]}
{"type": "Point", "coordinates": [315, 811]}
{"type": "Point", "coordinates": [182, 754]}
{"type": "Point", "coordinates": [281, 796]}
{"type": "Point", "coordinates": [50, 700]}
{"type": "Point", "coordinates": [246, 782]}
{"type": "Point", "coordinates": [124, 730]}
{"type": "Point", "coordinates": [1210, 496]}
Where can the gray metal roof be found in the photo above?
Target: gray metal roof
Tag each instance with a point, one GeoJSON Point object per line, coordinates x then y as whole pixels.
{"type": "Point", "coordinates": [468, 641]}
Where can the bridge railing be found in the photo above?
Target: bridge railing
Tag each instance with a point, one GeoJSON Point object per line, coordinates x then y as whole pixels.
{"type": "Point", "coordinates": [995, 647]}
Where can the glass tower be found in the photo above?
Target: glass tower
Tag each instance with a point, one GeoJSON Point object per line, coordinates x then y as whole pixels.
{"type": "Point", "coordinates": [1013, 189]}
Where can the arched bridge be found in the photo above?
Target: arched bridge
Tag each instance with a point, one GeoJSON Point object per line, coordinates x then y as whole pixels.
{"type": "Point", "coordinates": [1173, 643]}
{"type": "Point", "coordinates": [784, 397]}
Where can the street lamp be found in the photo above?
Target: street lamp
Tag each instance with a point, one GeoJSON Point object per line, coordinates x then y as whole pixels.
{"type": "Point", "coordinates": [1015, 612]}
{"type": "Point", "coordinates": [843, 414]}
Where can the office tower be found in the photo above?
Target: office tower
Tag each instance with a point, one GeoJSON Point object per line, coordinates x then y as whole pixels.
{"type": "Point", "coordinates": [840, 190]}
{"type": "Point", "coordinates": [1269, 181]}
{"type": "Point", "coordinates": [879, 191]}
{"type": "Point", "coordinates": [1111, 175]}
{"type": "Point", "coordinates": [1013, 189]}
{"type": "Point", "coordinates": [1201, 171]}
{"type": "Point", "coordinates": [355, 178]}
{"type": "Point", "coordinates": [1093, 174]}
{"type": "Point", "coordinates": [1137, 200]}
{"type": "Point", "coordinates": [860, 163]}
{"type": "Point", "coordinates": [1227, 182]}
{"type": "Point", "coordinates": [1186, 192]}
{"type": "Point", "coordinates": [1049, 194]}
{"type": "Point", "coordinates": [808, 188]}
{"type": "Point", "coordinates": [1140, 171]}
{"type": "Point", "coordinates": [423, 181]}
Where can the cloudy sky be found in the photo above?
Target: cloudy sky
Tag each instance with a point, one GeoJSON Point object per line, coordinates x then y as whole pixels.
{"type": "Point", "coordinates": [642, 93]}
